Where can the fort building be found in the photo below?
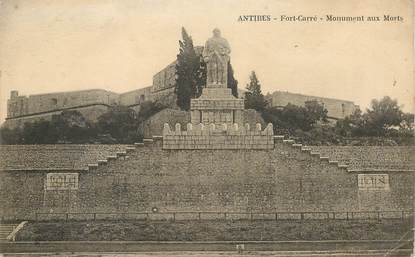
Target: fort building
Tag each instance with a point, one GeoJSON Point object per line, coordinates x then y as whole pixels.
{"type": "Point", "coordinates": [94, 102]}
{"type": "Point", "coordinates": [336, 109]}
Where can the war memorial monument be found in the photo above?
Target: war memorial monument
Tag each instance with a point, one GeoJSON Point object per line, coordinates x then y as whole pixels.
{"type": "Point", "coordinates": [216, 170]}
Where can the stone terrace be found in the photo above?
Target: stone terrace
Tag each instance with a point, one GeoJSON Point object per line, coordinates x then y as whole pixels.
{"type": "Point", "coordinates": [79, 157]}
{"type": "Point", "coordinates": [55, 157]}
{"type": "Point", "coordinates": [370, 158]}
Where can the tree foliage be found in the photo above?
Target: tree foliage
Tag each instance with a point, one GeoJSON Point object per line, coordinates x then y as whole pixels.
{"type": "Point", "coordinates": [383, 115]}
{"type": "Point", "coordinates": [40, 132]}
{"type": "Point", "coordinates": [11, 136]}
{"type": "Point", "coordinates": [189, 73]}
{"type": "Point", "coordinates": [383, 118]}
{"type": "Point", "coordinates": [67, 127]}
{"type": "Point", "coordinates": [72, 127]}
{"type": "Point", "coordinates": [120, 122]}
{"type": "Point", "coordinates": [293, 117]}
{"type": "Point", "coordinates": [254, 99]}
{"type": "Point", "coordinates": [148, 109]}
{"type": "Point", "coordinates": [232, 82]}
{"type": "Point", "coordinates": [123, 125]}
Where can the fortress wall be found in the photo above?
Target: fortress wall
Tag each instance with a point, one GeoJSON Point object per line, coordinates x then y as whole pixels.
{"type": "Point", "coordinates": [91, 113]}
{"type": "Point", "coordinates": [166, 78]}
{"type": "Point", "coordinates": [166, 96]}
{"type": "Point", "coordinates": [48, 102]}
{"type": "Point", "coordinates": [135, 97]}
{"type": "Point", "coordinates": [282, 179]}
{"type": "Point", "coordinates": [17, 106]}
{"type": "Point", "coordinates": [336, 108]}
{"type": "Point", "coordinates": [23, 105]}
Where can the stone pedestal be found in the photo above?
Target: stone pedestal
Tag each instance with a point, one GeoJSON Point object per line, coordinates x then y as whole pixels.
{"type": "Point", "coordinates": [218, 106]}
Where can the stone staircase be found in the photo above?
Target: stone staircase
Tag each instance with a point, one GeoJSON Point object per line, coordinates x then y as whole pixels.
{"type": "Point", "coordinates": [122, 154]}
{"type": "Point", "coordinates": [158, 140]}
{"type": "Point", "coordinates": [118, 155]}
{"type": "Point", "coordinates": [6, 230]}
{"type": "Point", "coordinates": [310, 151]}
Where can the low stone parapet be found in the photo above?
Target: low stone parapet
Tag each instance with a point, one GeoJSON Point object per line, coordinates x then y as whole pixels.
{"type": "Point", "coordinates": [218, 137]}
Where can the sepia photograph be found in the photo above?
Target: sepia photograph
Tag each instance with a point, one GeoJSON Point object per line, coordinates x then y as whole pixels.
{"type": "Point", "coordinates": [152, 128]}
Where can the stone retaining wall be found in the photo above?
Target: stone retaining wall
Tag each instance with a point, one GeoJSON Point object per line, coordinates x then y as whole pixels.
{"type": "Point", "coordinates": [287, 178]}
{"type": "Point", "coordinates": [218, 137]}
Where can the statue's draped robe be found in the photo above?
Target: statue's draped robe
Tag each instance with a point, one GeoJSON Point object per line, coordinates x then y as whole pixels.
{"type": "Point", "coordinates": [217, 50]}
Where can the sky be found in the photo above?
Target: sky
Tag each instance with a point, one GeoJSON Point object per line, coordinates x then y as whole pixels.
{"type": "Point", "coordinates": [54, 46]}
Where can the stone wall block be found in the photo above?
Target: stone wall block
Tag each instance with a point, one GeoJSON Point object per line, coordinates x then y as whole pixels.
{"type": "Point", "coordinates": [269, 129]}
{"type": "Point", "coordinates": [189, 127]}
{"type": "Point", "coordinates": [247, 128]}
{"type": "Point", "coordinates": [224, 127]}
{"type": "Point", "coordinates": [236, 126]}
{"type": "Point", "coordinates": [258, 127]}
{"type": "Point", "coordinates": [178, 129]}
{"type": "Point", "coordinates": [166, 129]}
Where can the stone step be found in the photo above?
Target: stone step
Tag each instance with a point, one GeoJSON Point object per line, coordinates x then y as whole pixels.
{"type": "Point", "coordinates": [288, 141]}
{"type": "Point", "coordinates": [139, 144]}
{"type": "Point", "coordinates": [7, 228]}
{"type": "Point", "coordinates": [280, 137]}
{"type": "Point", "coordinates": [121, 153]}
{"type": "Point", "coordinates": [101, 162]}
{"type": "Point", "coordinates": [129, 148]}
{"type": "Point", "coordinates": [297, 145]}
{"type": "Point", "coordinates": [147, 140]}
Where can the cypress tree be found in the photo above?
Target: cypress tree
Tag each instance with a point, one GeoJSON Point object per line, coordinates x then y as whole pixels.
{"type": "Point", "coordinates": [232, 82]}
{"type": "Point", "coordinates": [254, 99]}
{"type": "Point", "coordinates": [189, 73]}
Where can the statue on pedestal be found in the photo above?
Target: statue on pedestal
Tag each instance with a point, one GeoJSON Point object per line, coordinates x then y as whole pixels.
{"type": "Point", "coordinates": [216, 55]}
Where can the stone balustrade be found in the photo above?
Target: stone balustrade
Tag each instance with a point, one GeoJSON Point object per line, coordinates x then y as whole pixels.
{"type": "Point", "coordinates": [218, 137]}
